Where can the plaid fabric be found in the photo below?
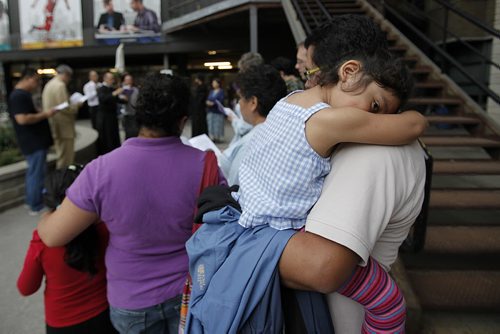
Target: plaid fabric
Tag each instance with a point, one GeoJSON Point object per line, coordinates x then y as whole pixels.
{"type": "Point", "coordinates": [281, 177]}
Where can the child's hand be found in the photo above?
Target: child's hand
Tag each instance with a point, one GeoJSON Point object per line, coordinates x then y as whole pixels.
{"type": "Point", "coordinates": [420, 122]}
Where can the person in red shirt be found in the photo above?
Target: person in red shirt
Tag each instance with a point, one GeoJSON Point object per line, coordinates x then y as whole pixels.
{"type": "Point", "coordinates": [75, 275]}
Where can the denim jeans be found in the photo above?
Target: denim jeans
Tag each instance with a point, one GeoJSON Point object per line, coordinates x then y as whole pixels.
{"type": "Point", "coordinates": [34, 179]}
{"type": "Point", "coordinates": [215, 124]}
{"type": "Point", "coordinates": [161, 318]}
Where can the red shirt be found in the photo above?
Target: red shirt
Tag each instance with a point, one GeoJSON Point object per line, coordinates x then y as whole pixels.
{"type": "Point", "coordinates": [71, 296]}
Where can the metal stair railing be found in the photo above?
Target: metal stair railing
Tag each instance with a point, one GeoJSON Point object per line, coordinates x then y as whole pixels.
{"type": "Point", "coordinates": [318, 19]}
{"type": "Point", "coordinates": [440, 48]}
{"type": "Point", "coordinates": [177, 8]}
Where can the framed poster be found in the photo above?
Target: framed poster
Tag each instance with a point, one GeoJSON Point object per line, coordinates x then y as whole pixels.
{"type": "Point", "coordinates": [117, 21]}
{"type": "Point", "coordinates": [50, 23]}
{"type": "Point", "coordinates": [4, 26]}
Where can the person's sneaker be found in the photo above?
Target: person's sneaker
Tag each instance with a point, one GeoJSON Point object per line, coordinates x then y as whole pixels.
{"type": "Point", "coordinates": [36, 213]}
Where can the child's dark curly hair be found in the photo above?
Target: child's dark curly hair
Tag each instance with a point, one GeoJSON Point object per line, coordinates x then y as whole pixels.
{"type": "Point", "coordinates": [357, 37]}
{"type": "Point", "coordinates": [163, 101]}
{"type": "Point", "coordinates": [265, 83]}
{"type": "Point", "coordinates": [81, 252]}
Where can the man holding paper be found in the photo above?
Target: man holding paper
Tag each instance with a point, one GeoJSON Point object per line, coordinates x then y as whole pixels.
{"type": "Point", "coordinates": [33, 136]}
{"type": "Point", "coordinates": [55, 95]}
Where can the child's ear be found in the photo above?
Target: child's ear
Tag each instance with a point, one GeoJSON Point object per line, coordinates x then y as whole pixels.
{"type": "Point", "coordinates": [349, 70]}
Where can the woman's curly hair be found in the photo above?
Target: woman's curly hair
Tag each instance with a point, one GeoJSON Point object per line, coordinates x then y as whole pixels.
{"type": "Point", "coordinates": [162, 102]}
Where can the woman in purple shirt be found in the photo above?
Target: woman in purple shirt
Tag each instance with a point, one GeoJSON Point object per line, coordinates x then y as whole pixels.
{"type": "Point", "coordinates": [145, 192]}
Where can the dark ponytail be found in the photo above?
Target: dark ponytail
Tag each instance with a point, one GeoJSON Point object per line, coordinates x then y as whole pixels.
{"type": "Point", "coordinates": [81, 252]}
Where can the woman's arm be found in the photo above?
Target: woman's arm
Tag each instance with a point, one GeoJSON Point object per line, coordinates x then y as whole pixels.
{"type": "Point", "coordinates": [61, 226]}
{"type": "Point", "coordinates": [311, 262]}
{"type": "Point", "coordinates": [329, 127]}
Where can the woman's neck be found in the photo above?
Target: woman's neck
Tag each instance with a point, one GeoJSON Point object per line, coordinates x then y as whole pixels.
{"type": "Point", "coordinates": [150, 133]}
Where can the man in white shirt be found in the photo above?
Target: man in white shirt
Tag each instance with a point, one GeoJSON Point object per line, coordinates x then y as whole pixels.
{"type": "Point", "coordinates": [90, 91]}
{"type": "Point", "coordinates": [367, 206]}
{"type": "Point", "coordinates": [368, 203]}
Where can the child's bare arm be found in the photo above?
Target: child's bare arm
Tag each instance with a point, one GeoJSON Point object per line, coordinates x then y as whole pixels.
{"type": "Point", "coordinates": [329, 127]}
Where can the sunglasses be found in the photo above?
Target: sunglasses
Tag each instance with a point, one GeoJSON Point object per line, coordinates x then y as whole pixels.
{"type": "Point", "coordinates": [309, 73]}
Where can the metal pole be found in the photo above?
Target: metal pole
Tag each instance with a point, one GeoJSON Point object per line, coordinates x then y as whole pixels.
{"type": "Point", "coordinates": [254, 41]}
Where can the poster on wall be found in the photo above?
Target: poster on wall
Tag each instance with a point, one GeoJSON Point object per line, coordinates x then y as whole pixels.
{"type": "Point", "coordinates": [50, 23]}
{"type": "Point", "coordinates": [117, 21]}
{"type": "Point", "coordinates": [4, 26]}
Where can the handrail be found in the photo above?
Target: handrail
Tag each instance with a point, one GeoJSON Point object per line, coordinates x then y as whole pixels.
{"type": "Point", "coordinates": [421, 14]}
{"type": "Point", "coordinates": [494, 96]}
{"type": "Point", "coordinates": [469, 18]}
{"type": "Point", "coordinates": [441, 51]}
{"type": "Point", "coordinates": [303, 20]}
{"type": "Point", "coordinates": [324, 10]}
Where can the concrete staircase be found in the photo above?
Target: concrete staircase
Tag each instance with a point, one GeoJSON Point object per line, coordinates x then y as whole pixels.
{"type": "Point", "coordinates": [456, 277]}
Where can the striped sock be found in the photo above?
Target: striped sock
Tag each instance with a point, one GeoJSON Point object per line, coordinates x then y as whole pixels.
{"type": "Point", "coordinates": [385, 307]}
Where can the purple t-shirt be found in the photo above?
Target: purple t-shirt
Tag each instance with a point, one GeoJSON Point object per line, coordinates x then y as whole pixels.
{"type": "Point", "coordinates": [145, 191]}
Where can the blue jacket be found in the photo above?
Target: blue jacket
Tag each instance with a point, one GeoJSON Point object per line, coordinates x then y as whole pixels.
{"type": "Point", "coordinates": [232, 269]}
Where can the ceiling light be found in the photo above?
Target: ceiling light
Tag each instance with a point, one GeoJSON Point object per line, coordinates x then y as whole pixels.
{"type": "Point", "coordinates": [46, 71]}
{"type": "Point", "coordinates": [225, 67]}
{"type": "Point", "coordinates": [217, 63]}
{"type": "Point", "coordinates": [212, 52]}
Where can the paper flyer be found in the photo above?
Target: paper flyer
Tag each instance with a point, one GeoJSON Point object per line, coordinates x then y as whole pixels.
{"type": "Point", "coordinates": [204, 143]}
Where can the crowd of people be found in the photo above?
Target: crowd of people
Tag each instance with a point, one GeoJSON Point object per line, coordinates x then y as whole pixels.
{"type": "Point", "coordinates": [155, 236]}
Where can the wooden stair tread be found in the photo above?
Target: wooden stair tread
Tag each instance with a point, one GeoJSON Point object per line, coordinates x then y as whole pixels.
{"type": "Point", "coordinates": [435, 100]}
{"type": "Point", "coordinates": [463, 239]}
{"type": "Point", "coordinates": [439, 322]}
{"type": "Point", "coordinates": [422, 69]}
{"type": "Point", "coordinates": [335, 11]}
{"type": "Point", "coordinates": [453, 119]}
{"type": "Point", "coordinates": [465, 199]}
{"type": "Point", "coordinates": [429, 84]}
{"type": "Point", "coordinates": [398, 48]}
{"type": "Point", "coordinates": [457, 289]}
{"type": "Point", "coordinates": [460, 141]}
{"type": "Point", "coordinates": [466, 167]}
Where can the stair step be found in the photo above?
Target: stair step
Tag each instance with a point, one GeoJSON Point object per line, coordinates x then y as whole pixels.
{"type": "Point", "coordinates": [466, 120]}
{"type": "Point", "coordinates": [463, 239]}
{"type": "Point", "coordinates": [460, 141]}
{"type": "Point", "coordinates": [429, 84]}
{"type": "Point", "coordinates": [411, 60]}
{"type": "Point", "coordinates": [490, 167]}
{"type": "Point", "coordinates": [422, 69]}
{"type": "Point", "coordinates": [457, 289]}
{"type": "Point", "coordinates": [398, 48]}
{"type": "Point", "coordinates": [465, 199]}
{"type": "Point", "coordinates": [317, 12]}
{"type": "Point", "coordinates": [435, 101]}
{"type": "Point", "coordinates": [439, 322]}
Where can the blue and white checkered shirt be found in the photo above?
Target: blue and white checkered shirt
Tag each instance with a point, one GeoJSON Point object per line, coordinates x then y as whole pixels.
{"type": "Point", "coordinates": [281, 177]}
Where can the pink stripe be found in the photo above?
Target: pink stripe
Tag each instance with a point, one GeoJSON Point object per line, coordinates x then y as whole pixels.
{"type": "Point", "coordinates": [385, 307]}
